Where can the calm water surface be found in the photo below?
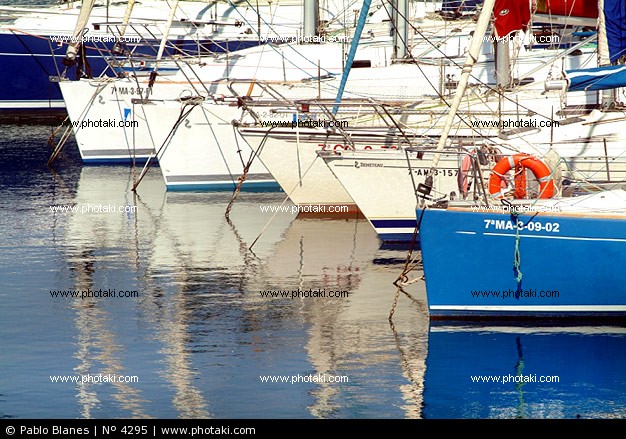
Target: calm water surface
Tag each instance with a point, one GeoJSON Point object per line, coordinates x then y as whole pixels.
{"type": "Point", "coordinates": [200, 338]}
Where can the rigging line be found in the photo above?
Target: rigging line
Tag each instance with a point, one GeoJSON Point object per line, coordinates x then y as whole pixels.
{"type": "Point", "coordinates": [182, 70]}
{"type": "Point", "coordinates": [143, 41]}
{"type": "Point", "coordinates": [56, 66]}
{"type": "Point", "coordinates": [130, 145]}
{"type": "Point", "coordinates": [561, 55]}
{"type": "Point", "coordinates": [479, 131]}
{"type": "Point", "coordinates": [298, 147]}
{"type": "Point", "coordinates": [31, 52]}
{"type": "Point", "coordinates": [273, 16]}
{"type": "Point", "coordinates": [337, 17]}
{"type": "Point", "coordinates": [143, 101]}
{"type": "Point", "coordinates": [393, 305]}
{"type": "Point", "coordinates": [183, 13]}
{"type": "Point", "coordinates": [67, 133]}
{"type": "Point", "coordinates": [288, 44]}
{"type": "Point", "coordinates": [218, 143]}
{"type": "Point", "coordinates": [407, 363]}
{"type": "Point", "coordinates": [483, 100]}
{"type": "Point", "coordinates": [287, 197]}
{"type": "Point", "coordinates": [337, 128]}
{"type": "Point", "coordinates": [136, 79]}
{"type": "Point", "coordinates": [207, 110]}
{"type": "Point", "coordinates": [443, 98]}
{"type": "Point", "coordinates": [181, 116]}
{"type": "Point", "coordinates": [428, 40]}
{"type": "Point", "coordinates": [409, 256]}
{"type": "Point", "coordinates": [239, 150]}
{"type": "Point", "coordinates": [240, 182]}
{"type": "Point", "coordinates": [395, 123]}
{"type": "Point", "coordinates": [107, 60]}
{"type": "Point", "coordinates": [244, 175]}
{"type": "Point", "coordinates": [416, 30]}
{"type": "Point", "coordinates": [64, 137]}
{"type": "Point", "coordinates": [442, 40]}
{"type": "Point", "coordinates": [476, 130]}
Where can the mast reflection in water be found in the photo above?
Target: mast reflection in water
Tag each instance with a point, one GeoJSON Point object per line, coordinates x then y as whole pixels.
{"type": "Point", "coordinates": [201, 340]}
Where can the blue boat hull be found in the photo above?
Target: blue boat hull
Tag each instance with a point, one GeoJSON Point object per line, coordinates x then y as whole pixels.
{"type": "Point", "coordinates": [569, 266]}
{"type": "Point", "coordinates": [28, 61]}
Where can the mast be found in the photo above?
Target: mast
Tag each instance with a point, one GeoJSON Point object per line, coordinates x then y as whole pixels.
{"type": "Point", "coordinates": [126, 19]}
{"type": "Point", "coordinates": [311, 19]}
{"type": "Point", "coordinates": [80, 30]}
{"type": "Point", "coordinates": [503, 64]}
{"type": "Point", "coordinates": [353, 46]}
{"type": "Point", "coordinates": [470, 60]}
{"type": "Point", "coordinates": [400, 15]}
{"type": "Point", "coordinates": [117, 48]}
{"type": "Point", "coordinates": [166, 32]}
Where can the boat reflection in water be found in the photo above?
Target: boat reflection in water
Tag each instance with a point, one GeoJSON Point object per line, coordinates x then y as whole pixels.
{"type": "Point", "coordinates": [315, 259]}
{"type": "Point", "coordinates": [200, 336]}
{"type": "Point", "coordinates": [166, 248]}
{"type": "Point", "coordinates": [93, 240]}
{"type": "Point", "coordinates": [496, 372]}
{"type": "Point", "coordinates": [346, 336]}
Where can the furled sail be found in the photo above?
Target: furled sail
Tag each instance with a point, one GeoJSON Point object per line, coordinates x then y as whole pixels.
{"type": "Point", "coordinates": [611, 30]}
{"type": "Point", "coordinates": [510, 16]}
{"type": "Point", "coordinates": [80, 30]}
{"type": "Point", "coordinates": [598, 78]}
{"type": "Point", "coordinates": [611, 50]}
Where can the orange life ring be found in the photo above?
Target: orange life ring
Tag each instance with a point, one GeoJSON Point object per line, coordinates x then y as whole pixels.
{"type": "Point", "coordinates": [520, 162]}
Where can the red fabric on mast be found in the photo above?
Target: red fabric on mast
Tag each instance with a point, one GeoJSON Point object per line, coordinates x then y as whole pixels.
{"type": "Point", "coordinates": [511, 16]}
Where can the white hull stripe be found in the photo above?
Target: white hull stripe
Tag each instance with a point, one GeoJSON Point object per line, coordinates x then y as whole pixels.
{"type": "Point", "coordinates": [116, 153]}
{"type": "Point", "coordinates": [184, 179]}
{"type": "Point", "coordinates": [569, 238]}
{"type": "Point", "coordinates": [406, 230]}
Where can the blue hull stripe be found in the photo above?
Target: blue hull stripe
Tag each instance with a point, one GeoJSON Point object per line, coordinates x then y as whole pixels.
{"type": "Point", "coordinates": [247, 186]}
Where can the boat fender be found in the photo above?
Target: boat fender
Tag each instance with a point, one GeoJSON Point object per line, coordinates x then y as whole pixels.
{"type": "Point", "coordinates": [464, 175]}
